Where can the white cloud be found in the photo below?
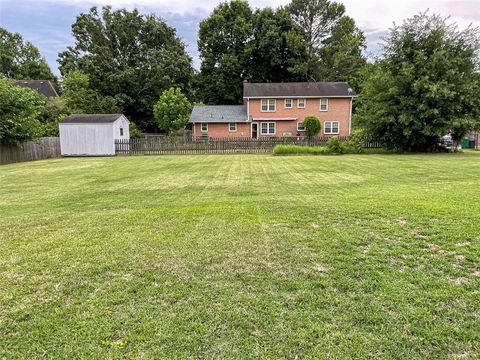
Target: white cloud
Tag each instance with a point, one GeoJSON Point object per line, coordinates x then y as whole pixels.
{"type": "Point", "coordinates": [367, 13]}
{"type": "Point", "coordinates": [373, 16]}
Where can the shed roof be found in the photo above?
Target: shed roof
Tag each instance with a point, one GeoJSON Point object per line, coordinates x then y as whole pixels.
{"type": "Point", "coordinates": [45, 87]}
{"type": "Point", "coordinates": [219, 113]}
{"type": "Point", "coordinates": [91, 118]}
{"type": "Point", "coordinates": [297, 89]}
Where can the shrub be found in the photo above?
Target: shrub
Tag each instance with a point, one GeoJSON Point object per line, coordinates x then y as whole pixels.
{"type": "Point", "coordinates": [20, 109]}
{"type": "Point", "coordinates": [312, 126]}
{"type": "Point", "coordinates": [297, 149]}
{"type": "Point", "coordinates": [318, 150]}
{"type": "Point", "coordinates": [334, 146]}
{"type": "Point", "coordinates": [135, 132]}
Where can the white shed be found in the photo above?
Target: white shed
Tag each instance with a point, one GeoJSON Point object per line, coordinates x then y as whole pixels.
{"type": "Point", "coordinates": [92, 134]}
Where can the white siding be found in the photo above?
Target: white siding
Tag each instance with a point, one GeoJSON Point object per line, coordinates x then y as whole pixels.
{"type": "Point", "coordinates": [92, 139]}
{"type": "Point", "coordinates": [87, 139]}
{"type": "Point", "coordinates": [121, 123]}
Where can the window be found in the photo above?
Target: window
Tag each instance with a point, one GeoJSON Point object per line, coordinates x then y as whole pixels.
{"type": "Point", "coordinates": [300, 126]}
{"type": "Point", "coordinates": [121, 131]}
{"type": "Point", "coordinates": [301, 103]}
{"type": "Point", "coordinates": [268, 105]}
{"type": "Point", "coordinates": [267, 128]}
{"type": "Point", "coordinates": [331, 127]}
{"type": "Point", "coordinates": [232, 127]}
{"type": "Point", "coordinates": [204, 127]}
{"type": "Point", "coordinates": [323, 104]}
{"type": "Point", "coordinates": [288, 103]}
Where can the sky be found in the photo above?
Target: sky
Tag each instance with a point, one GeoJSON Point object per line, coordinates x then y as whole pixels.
{"type": "Point", "coordinates": [47, 23]}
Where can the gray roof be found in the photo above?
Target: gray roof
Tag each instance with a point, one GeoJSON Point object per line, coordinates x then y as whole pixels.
{"type": "Point", "coordinates": [45, 87]}
{"type": "Point", "coordinates": [91, 118]}
{"type": "Point", "coordinates": [219, 113]}
{"type": "Point", "coordinates": [297, 89]}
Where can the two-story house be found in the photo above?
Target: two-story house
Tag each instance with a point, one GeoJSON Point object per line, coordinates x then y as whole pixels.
{"type": "Point", "coordinates": [278, 109]}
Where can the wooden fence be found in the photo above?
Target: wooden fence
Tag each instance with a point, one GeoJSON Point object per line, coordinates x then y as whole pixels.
{"type": "Point", "coordinates": [163, 145]}
{"type": "Point", "coordinates": [43, 148]}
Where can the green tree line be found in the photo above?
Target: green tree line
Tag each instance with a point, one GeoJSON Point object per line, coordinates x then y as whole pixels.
{"type": "Point", "coordinates": [422, 85]}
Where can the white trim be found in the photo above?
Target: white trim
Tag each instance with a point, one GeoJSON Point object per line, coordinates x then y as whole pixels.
{"type": "Point", "coordinates": [201, 127]}
{"type": "Point", "coordinates": [300, 97]}
{"type": "Point", "coordinates": [285, 103]}
{"type": "Point", "coordinates": [331, 127]}
{"type": "Point", "coordinates": [304, 103]}
{"type": "Point", "coordinates": [300, 123]}
{"type": "Point", "coordinates": [268, 105]}
{"type": "Point", "coordinates": [320, 106]}
{"type": "Point", "coordinates": [274, 118]}
{"type": "Point", "coordinates": [268, 128]}
{"type": "Point", "coordinates": [350, 118]}
{"type": "Point", "coordinates": [229, 129]}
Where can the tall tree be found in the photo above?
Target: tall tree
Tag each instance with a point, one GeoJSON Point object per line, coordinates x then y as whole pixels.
{"type": "Point", "coordinates": [237, 44]}
{"type": "Point", "coordinates": [425, 86]}
{"type": "Point", "coordinates": [130, 57]}
{"type": "Point", "coordinates": [222, 42]}
{"type": "Point", "coordinates": [333, 43]}
{"type": "Point", "coordinates": [271, 54]}
{"type": "Point", "coordinates": [80, 98]}
{"type": "Point", "coordinates": [19, 59]}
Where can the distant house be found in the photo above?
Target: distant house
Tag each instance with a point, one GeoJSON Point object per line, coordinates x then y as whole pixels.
{"type": "Point", "coordinates": [278, 109]}
{"type": "Point", "coordinates": [45, 87]}
{"type": "Point", "coordinates": [92, 134]}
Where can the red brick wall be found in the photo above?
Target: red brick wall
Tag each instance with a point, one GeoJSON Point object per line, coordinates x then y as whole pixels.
{"type": "Point", "coordinates": [220, 130]}
{"type": "Point", "coordinates": [338, 110]}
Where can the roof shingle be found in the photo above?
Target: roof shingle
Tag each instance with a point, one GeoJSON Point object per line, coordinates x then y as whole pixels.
{"type": "Point", "coordinates": [45, 87]}
{"type": "Point", "coordinates": [91, 118]}
{"type": "Point", "coordinates": [219, 113]}
{"type": "Point", "coordinates": [297, 89]}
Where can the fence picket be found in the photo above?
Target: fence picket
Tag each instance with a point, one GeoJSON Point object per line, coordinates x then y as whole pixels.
{"type": "Point", "coordinates": [156, 145]}
{"type": "Point", "coordinates": [42, 148]}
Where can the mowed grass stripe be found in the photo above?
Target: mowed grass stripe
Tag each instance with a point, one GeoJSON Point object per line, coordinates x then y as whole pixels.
{"type": "Point", "coordinates": [241, 256]}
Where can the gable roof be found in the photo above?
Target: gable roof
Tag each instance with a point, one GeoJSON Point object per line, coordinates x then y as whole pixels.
{"type": "Point", "coordinates": [297, 89]}
{"type": "Point", "coordinates": [219, 113]}
{"type": "Point", "coordinates": [91, 118]}
{"type": "Point", "coordinates": [45, 87]}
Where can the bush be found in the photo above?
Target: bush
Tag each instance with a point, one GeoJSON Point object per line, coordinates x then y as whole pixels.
{"type": "Point", "coordinates": [298, 149]}
{"type": "Point", "coordinates": [334, 146]}
{"type": "Point", "coordinates": [318, 150]}
{"type": "Point", "coordinates": [312, 126]}
{"type": "Point", "coordinates": [135, 133]}
{"type": "Point", "coordinates": [54, 111]}
{"type": "Point", "coordinates": [20, 109]}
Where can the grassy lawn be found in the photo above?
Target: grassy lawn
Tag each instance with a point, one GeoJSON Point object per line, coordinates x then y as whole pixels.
{"type": "Point", "coordinates": [241, 256]}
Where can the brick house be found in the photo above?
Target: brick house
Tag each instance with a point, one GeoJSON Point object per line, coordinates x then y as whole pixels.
{"type": "Point", "coordinates": [278, 109]}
